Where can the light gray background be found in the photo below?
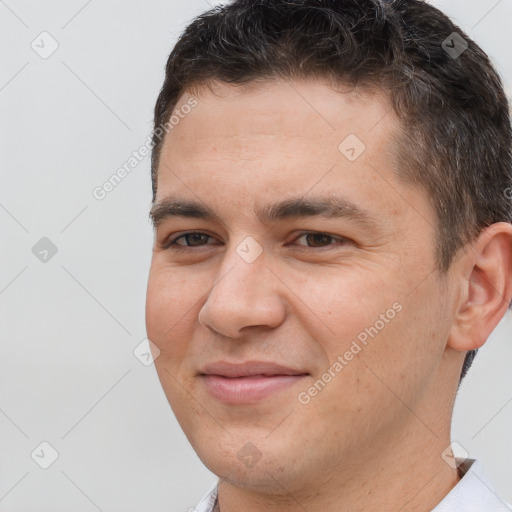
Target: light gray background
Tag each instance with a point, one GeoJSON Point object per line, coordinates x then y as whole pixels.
{"type": "Point", "coordinates": [69, 326]}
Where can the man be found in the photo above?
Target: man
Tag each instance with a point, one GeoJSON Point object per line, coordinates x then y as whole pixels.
{"type": "Point", "coordinates": [333, 243]}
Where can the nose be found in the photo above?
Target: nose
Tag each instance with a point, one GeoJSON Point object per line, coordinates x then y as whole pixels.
{"type": "Point", "coordinates": [245, 294]}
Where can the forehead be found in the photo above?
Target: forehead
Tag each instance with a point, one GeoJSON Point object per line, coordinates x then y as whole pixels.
{"type": "Point", "coordinates": [294, 123]}
{"type": "Point", "coordinates": [272, 107]}
{"type": "Point", "coordinates": [242, 147]}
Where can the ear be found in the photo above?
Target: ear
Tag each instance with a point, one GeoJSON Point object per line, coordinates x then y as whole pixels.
{"type": "Point", "coordinates": [485, 275]}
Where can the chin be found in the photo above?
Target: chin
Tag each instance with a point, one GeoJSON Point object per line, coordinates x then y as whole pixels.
{"type": "Point", "coordinates": [260, 465]}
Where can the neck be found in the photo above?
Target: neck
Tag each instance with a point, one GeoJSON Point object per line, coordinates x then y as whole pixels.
{"type": "Point", "coordinates": [406, 476]}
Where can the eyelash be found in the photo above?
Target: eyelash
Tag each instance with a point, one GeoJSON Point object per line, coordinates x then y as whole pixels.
{"type": "Point", "coordinates": [173, 246]}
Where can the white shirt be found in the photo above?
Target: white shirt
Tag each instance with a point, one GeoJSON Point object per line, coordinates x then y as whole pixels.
{"type": "Point", "coordinates": [473, 493]}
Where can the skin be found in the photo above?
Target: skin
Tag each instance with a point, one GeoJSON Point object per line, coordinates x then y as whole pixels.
{"type": "Point", "coordinates": [372, 438]}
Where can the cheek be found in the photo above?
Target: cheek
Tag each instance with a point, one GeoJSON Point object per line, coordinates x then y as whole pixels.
{"type": "Point", "coordinates": [170, 308]}
{"type": "Point", "coordinates": [382, 331]}
{"type": "Point", "coordinates": [345, 304]}
{"type": "Point", "coordinates": [171, 312]}
{"type": "Point", "coordinates": [406, 353]}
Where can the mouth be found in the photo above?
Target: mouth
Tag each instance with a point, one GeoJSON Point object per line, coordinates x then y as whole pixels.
{"type": "Point", "coordinates": [248, 382]}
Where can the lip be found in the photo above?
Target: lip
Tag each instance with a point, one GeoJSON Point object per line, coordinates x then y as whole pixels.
{"type": "Point", "coordinates": [249, 368]}
{"type": "Point", "coordinates": [248, 382]}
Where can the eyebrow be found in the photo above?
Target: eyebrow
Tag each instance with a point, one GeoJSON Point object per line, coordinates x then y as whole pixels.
{"type": "Point", "coordinates": [292, 208]}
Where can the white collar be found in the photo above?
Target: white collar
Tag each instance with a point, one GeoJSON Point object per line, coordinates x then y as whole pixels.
{"type": "Point", "coordinates": [473, 493]}
{"type": "Point", "coordinates": [208, 501]}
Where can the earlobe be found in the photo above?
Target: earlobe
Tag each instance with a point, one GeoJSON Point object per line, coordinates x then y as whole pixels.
{"type": "Point", "coordinates": [488, 290]}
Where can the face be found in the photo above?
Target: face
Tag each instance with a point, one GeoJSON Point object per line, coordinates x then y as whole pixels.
{"type": "Point", "coordinates": [294, 297]}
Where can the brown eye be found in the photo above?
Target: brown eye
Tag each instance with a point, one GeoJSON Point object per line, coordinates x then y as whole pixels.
{"type": "Point", "coordinates": [314, 239]}
{"type": "Point", "coordinates": [193, 239]}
